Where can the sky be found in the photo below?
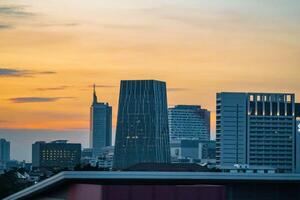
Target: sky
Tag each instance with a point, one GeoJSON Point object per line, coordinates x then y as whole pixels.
{"type": "Point", "coordinates": [52, 51]}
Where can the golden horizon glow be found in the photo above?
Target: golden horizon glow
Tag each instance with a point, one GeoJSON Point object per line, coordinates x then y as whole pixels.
{"type": "Point", "coordinates": [198, 48]}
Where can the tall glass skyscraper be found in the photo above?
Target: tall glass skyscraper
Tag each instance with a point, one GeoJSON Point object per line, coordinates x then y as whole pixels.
{"type": "Point", "coordinates": [256, 129]}
{"type": "Point", "coordinates": [142, 128]}
{"type": "Point", "coordinates": [189, 122]}
{"type": "Point", "coordinates": [101, 125]}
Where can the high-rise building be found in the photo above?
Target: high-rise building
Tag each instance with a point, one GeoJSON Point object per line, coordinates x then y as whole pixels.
{"type": "Point", "coordinates": [56, 154]}
{"type": "Point", "coordinates": [298, 145]}
{"type": "Point", "coordinates": [142, 134]}
{"type": "Point", "coordinates": [256, 129]}
{"type": "Point", "coordinates": [188, 122]}
{"type": "Point", "coordinates": [101, 125]}
{"type": "Point", "coordinates": [297, 115]}
{"type": "Point", "coordinates": [4, 150]}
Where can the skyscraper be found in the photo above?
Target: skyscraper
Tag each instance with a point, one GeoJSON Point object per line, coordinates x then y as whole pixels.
{"type": "Point", "coordinates": [187, 122]}
{"type": "Point", "coordinates": [142, 128]}
{"type": "Point", "coordinates": [256, 129]}
{"type": "Point", "coordinates": [101, 125]}
{"type": "Point", "coordinates": [4, 150]}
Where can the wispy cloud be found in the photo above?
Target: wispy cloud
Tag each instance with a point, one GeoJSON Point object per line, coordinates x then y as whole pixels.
{"type": "Point", "coordinates": [5, 26]}
{"type": "Point", "coordinates": [63, 87]}
{"type": "Point", "coordinates": [57, 24]}
{"type": "Point", "coordinates": [177, 89]}
{"type": "Point", "coordinates": [102, 86]}
{"type": "Point", "coordinates": [14, 11]}
{"type": "Point", "coordinates": [127, 26]}
{"type": "Point", "coordinates": [6, 72]}
{"type": "Point", "coordinates": [37, 99]}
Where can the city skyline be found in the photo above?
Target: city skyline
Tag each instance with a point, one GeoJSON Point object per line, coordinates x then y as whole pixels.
{"type": "Point", "coordinates": [80, 136]}
{"type": "Point", "coordinates": [156, 99]}
{"type": "Point", "coordinates": [218, 62]}
{"type": "Point", "coordinates": [51, 53]}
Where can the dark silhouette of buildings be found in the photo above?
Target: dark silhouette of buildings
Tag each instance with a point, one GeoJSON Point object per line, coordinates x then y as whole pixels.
{"type": "Point", "coordinates": [168, 167]}
{"type": "Point", "coordinates": [142, 127]}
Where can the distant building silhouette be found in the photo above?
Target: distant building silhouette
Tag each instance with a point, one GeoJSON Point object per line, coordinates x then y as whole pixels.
{"type": "Point", "coordinates": [101, 125]}
{"type": "Point", "coordinates": [142, 128]}
{"type": "Point", "coordinates": [188, 122]}
{"type": "Point", "coordinates": [168, 167]}
{"type": "Point", "coordinates": [56, 154]}
{"type": "Point", "coordinates": [4, 150]}
{"type": "Point", "coordinates": [256, 129]}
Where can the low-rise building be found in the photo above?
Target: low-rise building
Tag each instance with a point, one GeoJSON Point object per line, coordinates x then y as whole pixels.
{"type": "Point", "coordinates": [56, 154]}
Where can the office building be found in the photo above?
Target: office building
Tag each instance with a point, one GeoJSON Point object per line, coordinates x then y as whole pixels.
{"type": "Point", "coordinates": [188, 122]}
{"type": "Point", "coordinates": [4, 150]}
{"type": "Point", "coordinates": [87, 153]}
{"type": "Point", "coordinates": [56, 154]}
{"type": "Point", "coordinates": [256, 129]}
{"type": "Point", "coordinates": [297, 115]}
{"type": "Point", "coordinates": [194, 149]}
{"type": "Point", "coordinates": [101, 125]}
{"type": "Point", "coordinates": [208, 150]}
{"type": "Point", "coordinates": [142, 134]}
{"type": "Point", "coordinates": [105, 160]}
{"type": "Point", "coordinates": [190, 149]}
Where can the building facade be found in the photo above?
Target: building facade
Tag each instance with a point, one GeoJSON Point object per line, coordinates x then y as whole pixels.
{"type": "Point", "coordinates": [257, 129]}
{"type": "Point", "coordinates": [193, 149]}
{"type": "Point", "coordinates": [188, 122]}
{"type": "Point", "coordinates": [297, 115]}
{"type": "Point", "coordinates": [101, 125]}
{"type": "Point", "coordinates": [142, 134]}
{"type": "Point", "coordinates": [4, 150]}
{"type": "Point", "coordinates": [56, 154]}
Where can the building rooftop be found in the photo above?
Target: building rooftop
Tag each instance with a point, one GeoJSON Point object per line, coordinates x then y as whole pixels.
{"type": "Point", "coordinates": [167, 178]}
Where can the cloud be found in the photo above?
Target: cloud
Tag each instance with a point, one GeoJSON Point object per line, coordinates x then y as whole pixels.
{"type": "Point", "coordinates": [63, 87]}
{"type": "Point", "coordinates": [5, 26]}
{"type": "Point", "coordinates": [14, 11]}
{"type": "Point", "coordinates": [103, 86]}
{"type": "Point", "coordinates": [37, 99]}
{"type": "Point", "coordinates": [6, 72]}
{"type": "Point", "coordinates": [127, 26]}
{"type": "Point", "coordinates": [177, 89]}
{"type": "Point", "coordinates": [57, 24]}
{"type": "Point", "coordinates": [11, 13]}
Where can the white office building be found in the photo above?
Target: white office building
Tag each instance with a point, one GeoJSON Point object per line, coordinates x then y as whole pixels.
{"type": "Point", "coordinates": [188, 122]}
{"type": "Point", "coordinates": [256, 129]}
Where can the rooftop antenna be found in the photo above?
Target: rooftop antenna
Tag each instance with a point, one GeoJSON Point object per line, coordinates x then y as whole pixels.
{"type": "Point", "coordinates": [94, 94]}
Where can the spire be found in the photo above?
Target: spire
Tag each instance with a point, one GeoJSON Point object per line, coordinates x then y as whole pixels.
{"type": "Point", "coordinates": [94, 94]}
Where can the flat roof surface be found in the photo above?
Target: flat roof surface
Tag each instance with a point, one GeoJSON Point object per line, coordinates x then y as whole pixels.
{"type": "Point", "coordinates": [159, 177]}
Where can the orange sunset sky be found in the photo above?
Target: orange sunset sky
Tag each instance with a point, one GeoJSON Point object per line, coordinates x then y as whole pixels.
{"type": "Point", "coordinates": [52, 51]}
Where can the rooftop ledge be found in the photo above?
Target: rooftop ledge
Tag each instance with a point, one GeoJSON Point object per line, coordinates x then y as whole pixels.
{"type": "Point", "coordinates": [159, 178]}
